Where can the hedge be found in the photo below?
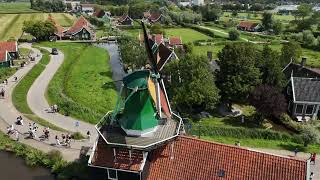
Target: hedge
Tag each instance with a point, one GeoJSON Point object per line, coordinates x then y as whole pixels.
{"type": "Point", "coordinates": [239, 132]}
{"type": "Point", "coordinates": [200, 29]}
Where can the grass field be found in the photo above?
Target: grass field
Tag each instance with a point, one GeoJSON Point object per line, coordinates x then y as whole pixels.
{"type": "Point", "coordinates": [82, 87]}
{"type": "Point", "coordinates": [11, 24]}
{"type": "Point", "coordinates": [187, 35]}
{"type": "Point", "coordinates": [255, 17]}
{"type": "Point", "coordinates": [19, 95]}
{"type": "Point", "coordinates": [18, 7]}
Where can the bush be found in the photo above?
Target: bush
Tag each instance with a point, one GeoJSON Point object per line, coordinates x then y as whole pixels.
{"type": "Point", "coordinates": [286, 120]}
{"type": "Point", "coordinates": [234, 34]}
{"type": "Point", "coordinates": [310, 135]}
{"type": "Point", "coordinates": [77, 136]}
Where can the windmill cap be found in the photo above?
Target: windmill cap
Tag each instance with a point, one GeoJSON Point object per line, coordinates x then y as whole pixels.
{"type": "Point", "coordinates": [137, 79]}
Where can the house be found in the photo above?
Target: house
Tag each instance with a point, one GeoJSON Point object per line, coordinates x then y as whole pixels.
{"type": "Point", "coordinates": [81, 30]}
{"type": "Point", "coordinates": [248, 26]}
{"type": "Point", "coordinates": [175, 42]}
{"type": "Point", "coordinates": [87, 8]}
{"type": "Point", "coordinates": [125, 20]}
{"type": "Point", "coordinates": [157, 38]}
{"type": "Point", "coordinates": [190, 158]}
{"type": "Point", "coordinates": [59, 32]}
{"type": "Point", "coordinates": [305, 101]}
{"type": "Point", "coordinates": [8, 52]}
{"type": "Point", "coordinates": [302, 90]}
{"type": "Point", "coordinates": [74, 5]}
{"type": "Point", "coordinates": [151, 18]}
{"type": "Point", "coordinates": [300, 70]}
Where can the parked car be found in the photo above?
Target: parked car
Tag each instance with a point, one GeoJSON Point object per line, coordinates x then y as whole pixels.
{"type": "Point", "coordinates": [54, 51]}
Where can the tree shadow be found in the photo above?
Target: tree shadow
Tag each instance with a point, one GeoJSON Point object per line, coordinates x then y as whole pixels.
{"type": "Point", "coordinates": [291, 147]}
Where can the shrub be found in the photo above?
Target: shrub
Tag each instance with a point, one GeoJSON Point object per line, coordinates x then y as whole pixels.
{"type": "Point", "coordinates": [77, 136]}
{"type": "Point", "coordinates": [309, 135]}
{"type": "Point", "coordinates": [289, 123]}
{"type": "Point", "coordinates": [234, 34]}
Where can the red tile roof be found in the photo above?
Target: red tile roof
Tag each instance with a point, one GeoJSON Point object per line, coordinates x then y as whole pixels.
{"type": "Point", "coordinates": [247, 24]}
{"type": "Point", "coordinates": [104, 157]}
{"type": "Point", "coordinates": [3, 56]}
{"type": "Point", "coordinates": [173, 41]}
{"type": "Point", "coordinates": [146, 14]}
{"type": "Point", "coordinates": [59, 29]}
{"type": "Point", "coordinates": [98, 13]}
{"type": "Point", "coordinates": [154, 17]}
{"type": "Point", "coordinates": [78, 25]}
{"type": "Point", "coordinates": [158, 38]}
{"type": "Point", "coordinates": [198, 159]}
{"type": "Point", "coordinates": [11, 46]}
{"type": "Point", "coordinates": [123, 18]}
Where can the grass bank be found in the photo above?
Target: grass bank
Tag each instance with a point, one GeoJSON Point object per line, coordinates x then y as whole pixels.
{"type": "Point", "coordinates": [16, 7]}
{"type": "Point", "coordinates": [83, 86]}
{"type": "Point", "coordinates": [19, 95]}
{"type": "Point", "coordinates": [5, 73]}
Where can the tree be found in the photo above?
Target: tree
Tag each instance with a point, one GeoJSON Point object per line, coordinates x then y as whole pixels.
{"type": "Point", "coordinates": [268, 100]}
{"type": "Point", "coordinates": [211, 12]}
{"type": "Point", "coordinates": [309, 135]}
{"type": "Point", "coordinates": [157, 29]}
{"type": "Point", "coordinates": [132, 54]}
{"type": "Point", "coordinates": [238, 72]}
{"type": "Point", "coordinates": [304, 10]}
{"type": "Point", "coordinates": [277, 27]}
{"type": "Point", "coordinates": [271, 69]}
{"type": "Point", "coordinates": [234, 34]}
{"type": "Point", "coordinates": [266, 21]}
{"type": "Point", "coordinates": [41, 30]}
{"type": "Point", "coordinates": [290, 51]}
{"type": "Point", "coordinates": [193, 84]}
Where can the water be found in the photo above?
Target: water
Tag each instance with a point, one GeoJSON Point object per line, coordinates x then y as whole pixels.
{"type": "Point", "coordinates": [115, 63]}
{"type": "Point", "coordinates": [14, 168]}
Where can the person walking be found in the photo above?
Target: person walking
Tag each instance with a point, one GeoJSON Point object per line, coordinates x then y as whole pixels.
{"type": "Point", "coordinates": [57, 141]}
{"type": "Point", "coordinates": [296, 152]}
{"type": "Point", "coordinates": [17, 135]}
{"type": "Point", "coordinates": [88, 135]}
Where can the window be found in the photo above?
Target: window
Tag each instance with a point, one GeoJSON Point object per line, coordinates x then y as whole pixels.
{"type": "Point", "coordinates": [309, 109]}
{"type": "Point", "coordinates": [299, 108]}
{"type": "Point", "coordinates": [112, 174]}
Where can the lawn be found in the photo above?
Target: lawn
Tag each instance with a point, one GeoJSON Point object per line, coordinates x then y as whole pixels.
{"type": "Point", "coordinates": [17, 7]}
{"type": "Point", "coordinates": [202, 50]}
{"type": "Point", "coordinates": [255, 17]}
{"type": "Point", "coordinates": [187, 35]}
{"type": "Point", "coordinates": [24, 52]}
{"type": "Point", "coordinates": [19, 95]}
{"type": "Point", "coordinates": [83, 87]}
{"type": "Point", "coordinates": [12, 23]}
{"type": "Point", "coordinates": [133, 32]}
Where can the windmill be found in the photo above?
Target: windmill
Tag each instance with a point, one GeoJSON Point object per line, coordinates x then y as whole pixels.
{"type": "Point", "coordinates": [143, 101]}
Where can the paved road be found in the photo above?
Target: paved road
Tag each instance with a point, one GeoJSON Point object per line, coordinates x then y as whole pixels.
{"type": "Point", "coordinates": [8, 115]}
{"type": "Point", "coordinates": [39, 104]}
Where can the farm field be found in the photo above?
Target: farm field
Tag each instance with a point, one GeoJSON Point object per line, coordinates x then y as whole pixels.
{"type": "Point", "coordinates": [89, 97]}
{"type": "Point", "coordinates": [12, 23]}
{"type": "Point", "coordinates": [18, 7]}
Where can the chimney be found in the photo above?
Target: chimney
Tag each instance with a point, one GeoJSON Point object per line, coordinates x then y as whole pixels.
{"type": "Point", "coordinates": [115, 155]}
{"type": "Point", "coordinates": [303, 61]}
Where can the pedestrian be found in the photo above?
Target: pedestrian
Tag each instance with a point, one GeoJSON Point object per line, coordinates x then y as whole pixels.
{"type": "Point", "coordinates": [296, 152]}
{"type": "Point", "coordinates": [15, 79]}
{"type": "Point", "coordinates": [2, 92]}
{"type": "Point", "coordinates": [17, 135]}
{"type": "Point", "coordinates": [6, 81]}
{"type": "Point", "coordinates": [63, 137]}
{"type": "Point", "coordinates": [313, 158]}
{"type": "Point", "coordinates": [10, 129]}
{"type": "Point", "coordinates": [88, 135]}
{"type": "Point", "coordinates": [57, 141]}
{"type": "Point", "coordinates": [311, 175]}
{"type": "Point", "coordinates": [55, 108]}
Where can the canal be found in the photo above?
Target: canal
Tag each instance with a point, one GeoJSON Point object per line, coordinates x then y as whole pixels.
{"type": "Point", "coordinates": [12, 168]}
